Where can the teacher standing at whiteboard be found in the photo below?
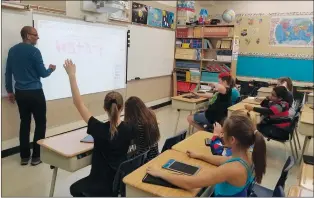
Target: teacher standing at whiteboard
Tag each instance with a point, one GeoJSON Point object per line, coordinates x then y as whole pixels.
{"type": "Point", "coordinates": [26, 65]}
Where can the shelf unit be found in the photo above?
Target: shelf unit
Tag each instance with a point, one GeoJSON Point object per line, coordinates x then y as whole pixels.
{"type": "Point", "coordinates": [201, 53]}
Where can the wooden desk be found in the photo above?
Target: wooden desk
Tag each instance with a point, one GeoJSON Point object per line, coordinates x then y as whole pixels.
{"type": "Point", "coordinates": [297, 191]}
{"type": "Point", "coordinates": [306, 127]}
{"type": "Point", "coordinates": [136, 188]}
{"type": "Point", "coordinates": [310, 98]}
{"type": "Point", "coordinates": [252, 100]}
{"type": "Point", "coordinates": [195, 142]}
{"type": "Point", "coordinates": [306, 177]}
{"type": "Point", "coordinates": [65, 151]}
{"type": "Point", "coordinates": [307, 108]}
{"type": "Point", "coordinates": [240, 106]}
{"type": "Point", "coordinates": [185, 104]}
{"type": "Point", "coordinates": [264, 91]}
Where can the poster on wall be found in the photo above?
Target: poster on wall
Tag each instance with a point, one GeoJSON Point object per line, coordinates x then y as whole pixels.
{"type": "Point", "coordinates": [154, 17]}
{"type": "Point", "coordinates": [139, 13]}
{"type": "Point", "coordinates": [186, 5]}
{"type": "Point", "coordinates": [291, 31]}
{"type": "Point", "coordinates": [122, 15]}
{"type": "Point", "coordinates": [167, 19]}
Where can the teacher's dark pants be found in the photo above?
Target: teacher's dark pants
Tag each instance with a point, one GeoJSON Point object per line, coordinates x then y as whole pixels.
{"type": "Point", "coordinates": [31, 102]}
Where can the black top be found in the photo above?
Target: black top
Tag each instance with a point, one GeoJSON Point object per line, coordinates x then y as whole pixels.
{"type": "Point", "coordinates": [142, 145]}
{"type": "Point", "coordinates": [108, 153]}
{"type": "Point", "coordinates": [218, 106]}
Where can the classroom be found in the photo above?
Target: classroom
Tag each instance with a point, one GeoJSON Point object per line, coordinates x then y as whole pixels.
{"type": "Point", "coordinates": [157, 98]}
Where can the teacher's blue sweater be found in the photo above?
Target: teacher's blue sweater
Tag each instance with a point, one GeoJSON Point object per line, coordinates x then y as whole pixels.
{"type": "Point", "coordinates": [26, 65]}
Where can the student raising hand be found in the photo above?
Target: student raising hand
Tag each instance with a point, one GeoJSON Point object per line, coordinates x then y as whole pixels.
{"type": "Point", "coordinates": [69, 67]}
{"type": "Point", "coordinates": [218, 130]}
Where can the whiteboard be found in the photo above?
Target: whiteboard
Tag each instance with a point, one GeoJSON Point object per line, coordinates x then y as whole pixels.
{"type": "Point", "coordinates": [12, 22]}
{"type": "Point", "coordinates": [151, 52]}
{"type": "Point", "coordinates": [98, 50]}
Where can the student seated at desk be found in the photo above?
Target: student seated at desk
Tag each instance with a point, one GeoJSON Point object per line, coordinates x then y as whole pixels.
{"type": "Point", "coordinates": [111, 141]}
{"type": "Point", "coordinates": [145, 124]}
{"type": "Point", "coordinates": [218, 104]}
{"type": "Point", "coordinates": [274, 107]}
{"type": "Point", "coordinates": [234, 174]}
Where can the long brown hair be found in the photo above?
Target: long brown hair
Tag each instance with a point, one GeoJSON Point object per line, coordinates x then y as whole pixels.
{"type": "Point", "coordinates": [113, 104]}
{"type": "Point", "coordinates": [240, 126]}
{"type": "Point", "coordinates": [288, 81]}
{"type": "Point", "coordinates": [137, 113]}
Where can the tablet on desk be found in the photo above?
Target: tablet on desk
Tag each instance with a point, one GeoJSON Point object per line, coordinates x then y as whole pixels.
{"type": "Point", "coordinates": [149, 179]}
{"type": "Point", "coordinates": [180, 167]}
{"type": "Point", "coordinates": [88, 139]}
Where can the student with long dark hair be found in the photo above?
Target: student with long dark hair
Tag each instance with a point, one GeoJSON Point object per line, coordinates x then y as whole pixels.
{"type": "Point", "coordinates": [218, 104]}
{"type": "Point", "coordinates": [287, 82]}
{"type": "Point", "coordinates": [275, 107]}
{"type": "Point", "coordinates": [145, 124]}
{"type": "Point", "coordinates": [234, 174]}
{"type": "Point", "coordinates": [111, 141]}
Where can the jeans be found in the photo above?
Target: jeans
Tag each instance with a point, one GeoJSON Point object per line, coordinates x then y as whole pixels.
{"type": "Point", "coordinates": [31, 102]}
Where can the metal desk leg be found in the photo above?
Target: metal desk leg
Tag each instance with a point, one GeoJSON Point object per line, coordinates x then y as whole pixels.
{"type": "Point", "coordinates": [53, 181]}
{"type": "Point", "coordinates": [175, 132]}
{"type": "Point", "coordinates": [305, 146]}
{"type": "Point", "coordinates": [191, 128]}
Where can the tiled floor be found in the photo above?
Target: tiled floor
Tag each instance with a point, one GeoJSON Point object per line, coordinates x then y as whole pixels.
{"type": "Point", "coordinates": [35, 181]}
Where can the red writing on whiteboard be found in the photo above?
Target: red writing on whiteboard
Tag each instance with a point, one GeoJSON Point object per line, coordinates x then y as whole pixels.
{"type": "Point", "coordinates": [74, 47]}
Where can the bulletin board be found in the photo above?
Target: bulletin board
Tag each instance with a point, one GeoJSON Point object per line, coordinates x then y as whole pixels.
{"type": "Point", "coordinates": [260, 57]}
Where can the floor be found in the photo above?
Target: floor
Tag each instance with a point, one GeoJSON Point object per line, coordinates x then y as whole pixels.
{"type": "Point", "coordinates": [25, 181]}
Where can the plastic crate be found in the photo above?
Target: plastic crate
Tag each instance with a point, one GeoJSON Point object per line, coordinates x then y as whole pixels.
{"type": "Point", "coordinates": [183, 86]}
{"type": "Point", "coordinates": [184, 32]}
{"type": "Point", "coordinates": [216, 31]}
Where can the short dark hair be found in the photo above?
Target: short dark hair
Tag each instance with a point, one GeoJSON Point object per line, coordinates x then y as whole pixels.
{"type": "Point", "coordinates": [281, 92]}
{"type": "Point", "coordinates": [24, 31]}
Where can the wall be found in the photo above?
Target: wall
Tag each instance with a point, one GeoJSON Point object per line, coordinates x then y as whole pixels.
{"type": "Point", "coordinates": [259, 59]}
{"type": "Point", "coordinates": [62, 112]}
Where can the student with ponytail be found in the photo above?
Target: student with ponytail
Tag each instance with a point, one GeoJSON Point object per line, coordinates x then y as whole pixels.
{"type": "Point", "coordinates": [234, 174]}
{"type": "Point", "coordinates": [111, 141]}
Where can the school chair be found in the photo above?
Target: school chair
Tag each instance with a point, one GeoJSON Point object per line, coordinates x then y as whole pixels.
{"type": "Point", "coordinates": [260, 191]}
{"type": "Point", "coordinates": [298, 106]}
{"type": "Point", "coordinates": [124, 169]}
{"type": "Point", "coordinates": [289, 130]}
{"type": "Point", "coordinates": [174, 140]}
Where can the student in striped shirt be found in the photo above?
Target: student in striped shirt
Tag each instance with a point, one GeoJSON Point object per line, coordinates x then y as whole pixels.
{"type": "Point", "coordinates": [145, 124]}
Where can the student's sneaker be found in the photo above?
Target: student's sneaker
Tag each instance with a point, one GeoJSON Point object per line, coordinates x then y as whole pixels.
{"type": "Point", "coordinates": [24, 161]}
{"type": "Point", "coordinates": [35, 161]}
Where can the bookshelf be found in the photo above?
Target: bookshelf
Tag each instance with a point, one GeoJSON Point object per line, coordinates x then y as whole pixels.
{"type": "Point", "coordinates": [201, 53]}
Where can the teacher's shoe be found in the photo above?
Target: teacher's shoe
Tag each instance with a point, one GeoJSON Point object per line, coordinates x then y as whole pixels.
{"type": "Point", "coordinates": [24, 161]}
{"type": "Point", "coordinates": [35, 161]}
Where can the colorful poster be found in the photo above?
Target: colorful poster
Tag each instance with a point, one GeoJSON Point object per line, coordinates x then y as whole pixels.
{"type": "Point", "coordinates": [186, 5]}
{"type": "Point", "coordinates": [139, 13]}
{"type": "Point", "coordinates": [167, 19]}
{"type": "Point", "coordinates": [291, 31]}
{"type": "Point", "coordinates": [154, 17]}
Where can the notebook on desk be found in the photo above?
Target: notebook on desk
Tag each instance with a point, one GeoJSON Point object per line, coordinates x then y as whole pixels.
{"type": "Point", "coordinates": [157, 181]}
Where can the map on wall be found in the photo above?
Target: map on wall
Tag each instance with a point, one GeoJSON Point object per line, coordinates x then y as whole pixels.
{"type": "Point", "coordinates": [291, 31]}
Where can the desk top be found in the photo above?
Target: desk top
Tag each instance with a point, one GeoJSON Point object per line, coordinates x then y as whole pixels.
{"type": "Point", "coordinates": [192, 100]}
{"type": "Point", "coordinates": [67, 144]}
{"type": "Point", "coordinates": [307, 175]}
{"type": "Point", "coordinates": [306, 108]}
{"type": "Point", "coordinates": [311, 93]}
{"type": "Point", "coordinates": [195, 142]}
{"type": "Point", "coordinates": [265, 89]}
{"type": "Point", "coordinates": [307, 117]}
{"type": "Point", "coordinates": [297, 191]}
{"type": "Point", "coordinates": [240, 106]}
{"type": "Point", "coordinates": [253, 100]}
{"type": "Point", "coordinates": [135, 178]}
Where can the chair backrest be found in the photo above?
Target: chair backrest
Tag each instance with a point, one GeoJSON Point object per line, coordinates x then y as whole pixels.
{"type": "Point", "coordinates": [279, 192]}
{"type": "Point", "coordinates": [284, 173]}
{"type": "Point", "coordinates": [126, 168]}
{"type": "Point", "coordinates": [174, 140]}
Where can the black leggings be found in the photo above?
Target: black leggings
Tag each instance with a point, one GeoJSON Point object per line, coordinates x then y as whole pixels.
{"type": "Point", "coordinates": [86, 187]}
